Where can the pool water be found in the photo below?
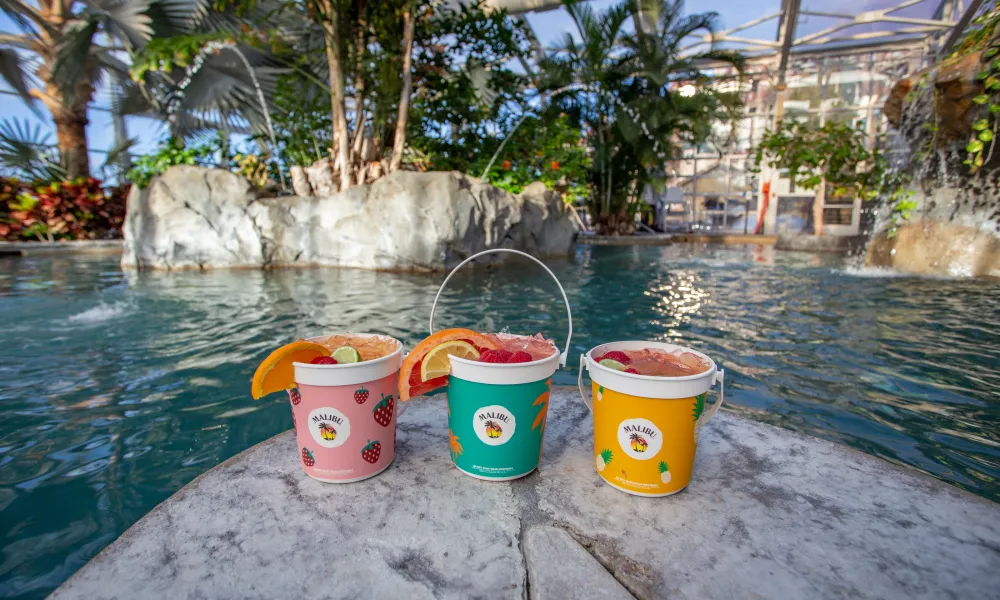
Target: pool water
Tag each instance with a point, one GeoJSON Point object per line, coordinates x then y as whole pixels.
{"type": "Point", "coordinates": [119, 388]}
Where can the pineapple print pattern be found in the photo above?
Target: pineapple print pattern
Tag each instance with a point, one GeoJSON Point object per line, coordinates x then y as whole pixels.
{"type": "Point", "coordinates": [664, 472]}
{"type": "Point", "coordinates": [600, 393]}
{"type": "Point", "coordinates": [699, 409]}
{"type": "Point", "coordinates": [602, 460]}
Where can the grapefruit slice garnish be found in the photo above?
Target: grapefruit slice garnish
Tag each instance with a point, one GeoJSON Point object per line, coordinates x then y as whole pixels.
{"type": "Point", "coordinates": [411, 381]}
{"type": "Point", "coordinates": [277, 374]}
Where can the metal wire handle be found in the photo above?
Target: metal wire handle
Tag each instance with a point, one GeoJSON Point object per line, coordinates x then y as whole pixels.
{"type": "Point", "coordinates": [569, 313]}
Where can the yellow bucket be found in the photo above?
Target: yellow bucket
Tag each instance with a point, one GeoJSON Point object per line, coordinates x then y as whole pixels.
{"type": "Point", "coordinates": [646, 428]}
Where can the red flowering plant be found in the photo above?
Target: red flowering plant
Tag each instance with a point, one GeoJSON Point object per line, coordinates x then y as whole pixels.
{"type": "Point", "coordinates": [78, 209]}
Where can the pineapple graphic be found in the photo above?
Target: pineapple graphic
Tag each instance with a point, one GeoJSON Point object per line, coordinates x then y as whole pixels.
{"type": "Point", "coordinates": [493, 430]}
{"type": "Point", "coordinates": [600, 393]}
{"type": "Point", "coordinates": [327, 432]}
{"type": "Point", "coordinates": [603, 459]}
{"type": "Point", "coordinates": [638, 443]}
{"type": "Point", "coordinates": [699, 409]}
{"type": "Point", "coordinates": [664, 472]}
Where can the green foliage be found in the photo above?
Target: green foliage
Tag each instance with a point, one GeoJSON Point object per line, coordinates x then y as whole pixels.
{"type": "Point", "coordinates": [164, 54]}
{"type": "Point", "coordinates": [982, 37]}
{"type": "Point", "coordinates": [624, 92]}
{"type": "Point", "coordinates": [172, 151]}
{"type": "Point", "coordinates": [301, 121]}
{"type": "Point", "coordinates": [461, 109]}
{"type": "Point", "coordinates": [553, 152]}
{"type": "Point", "coordinates": [68, 210]}
{"type": "Point", "coordinates": [837, 154]}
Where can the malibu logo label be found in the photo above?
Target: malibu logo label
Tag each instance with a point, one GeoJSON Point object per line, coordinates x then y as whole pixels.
{"type": "Point", "coordinates": [639, 438]}
{"type": "Point", "coordinates": [494, 425]}
{"type": "Point", "coordinates": [329, 427]}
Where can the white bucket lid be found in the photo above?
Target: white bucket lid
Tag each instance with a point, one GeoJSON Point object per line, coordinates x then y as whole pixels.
{"type": "Point", "coordinates": [647, 386]}
{"type": "Point", "coordinates": [352, 373]}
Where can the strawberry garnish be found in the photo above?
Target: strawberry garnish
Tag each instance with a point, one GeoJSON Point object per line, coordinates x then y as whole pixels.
{"type": "Point", "coordinates": [323, 360]}
{"type": "Point", "coordinates": [616, 355]}
{"type": "Point", "coordinates": [632, 371]}
{"type": "Point", "coordinates": [498, 356]}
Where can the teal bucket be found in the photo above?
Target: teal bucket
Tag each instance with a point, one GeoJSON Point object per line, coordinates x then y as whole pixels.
{"type": "Point", "coordinates": [497, 412]}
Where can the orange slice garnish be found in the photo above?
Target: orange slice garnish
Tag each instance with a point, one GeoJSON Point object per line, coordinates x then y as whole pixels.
{"type": "Point", "coordinates": [411, 384]}
{"type": "Point", "coordinates": [277, 374]}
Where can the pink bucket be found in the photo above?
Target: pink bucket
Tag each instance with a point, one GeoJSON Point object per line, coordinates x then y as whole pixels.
{"type": "Point", "coordinates": [345, 417]}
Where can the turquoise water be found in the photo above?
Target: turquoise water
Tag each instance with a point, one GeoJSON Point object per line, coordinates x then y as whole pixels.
{"type": "Point", "coordinates": [117, 389]}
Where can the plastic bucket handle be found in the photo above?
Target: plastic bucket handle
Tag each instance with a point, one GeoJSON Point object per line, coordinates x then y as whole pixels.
{"type": "Point", "coordinates": [569, 313]}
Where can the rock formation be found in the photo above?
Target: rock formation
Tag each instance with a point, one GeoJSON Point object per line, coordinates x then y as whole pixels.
{"type": "Point", "coordinates": [955, 229]}
{"type": "Point", "coordinates": [191, 217]}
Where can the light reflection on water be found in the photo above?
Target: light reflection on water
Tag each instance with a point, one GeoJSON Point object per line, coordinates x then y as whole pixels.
{"type": "Point", "coordinates": [120, 388]}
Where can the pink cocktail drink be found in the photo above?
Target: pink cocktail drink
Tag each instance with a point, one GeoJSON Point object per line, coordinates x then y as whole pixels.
{"type": "Point", "coordinates": [512, 348]}
{"type": "Point", "coordinates": [655, 362]}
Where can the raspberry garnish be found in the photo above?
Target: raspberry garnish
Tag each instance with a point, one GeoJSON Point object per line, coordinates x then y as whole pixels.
{"type": "Point", "coordinates": [520, 357]}
{"type": "Point", "coordinates": [617, 355]}
{"type": "Point", "coordinates": [497, 356]}
{"type": "Point", "coordinates": [323, 360]}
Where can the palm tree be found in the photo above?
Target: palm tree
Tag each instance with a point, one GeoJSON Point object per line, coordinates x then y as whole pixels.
{"type": "Point", "coordinates": [622, 86]}
{"type": "Point", "coordinates": [68, 46]}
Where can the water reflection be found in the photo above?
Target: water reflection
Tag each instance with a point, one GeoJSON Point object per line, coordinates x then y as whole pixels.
{"type": "Point", "coordinates": [121, 387]}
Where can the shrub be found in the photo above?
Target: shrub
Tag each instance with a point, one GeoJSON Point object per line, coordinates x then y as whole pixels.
{"type": "Point", "coordinates": [78, 209]}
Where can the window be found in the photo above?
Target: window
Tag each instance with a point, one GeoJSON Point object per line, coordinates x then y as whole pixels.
{"type": "Point", "coordinates": [838, 215]}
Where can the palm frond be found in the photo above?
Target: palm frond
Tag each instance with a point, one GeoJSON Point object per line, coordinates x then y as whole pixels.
{"type": "Point", "coordinates": [24, 15]}
{"type": "Point", "coordinates": [126, 20]}
{"type": "Point", "coordinates": [184, 14]}
{"type": "Point", "coordinates": [25, 152]}
{"type": "Point", "coordinates": [12, 71]}
{"type": "Point", "coordinates": [118, 161]}
{"type": "Point", "coordinates": [73, 54]}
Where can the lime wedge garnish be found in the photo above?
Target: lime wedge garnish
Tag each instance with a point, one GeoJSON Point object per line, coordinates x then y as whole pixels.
{"type": "Point", "coordinates": [611, 364]}
{"type": "Point", "coordinates": [346, 355]}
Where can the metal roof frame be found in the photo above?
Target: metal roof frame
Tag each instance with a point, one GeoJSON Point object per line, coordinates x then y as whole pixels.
{"type": "Point", "coordinates": [939, 33]}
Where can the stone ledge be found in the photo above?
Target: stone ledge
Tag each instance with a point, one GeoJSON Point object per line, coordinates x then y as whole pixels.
{"type": "Point", "coordinates": [770, 514]}
{"type": "Point", "coordinates": [73, 247]}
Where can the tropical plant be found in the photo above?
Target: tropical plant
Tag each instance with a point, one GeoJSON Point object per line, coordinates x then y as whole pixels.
{"type": "Point", "coordinates": [838, 155]}
{"type": "Point", "coordinates": [623, 88]}
{"type": "Point", "coordinates": [26, 153]}
{"type": "Point", "coordinates": [172, 151]}
{"type": "Point", "coordinates": [70, 210]}
{"type": "Point", "coordinates": [70, 46]}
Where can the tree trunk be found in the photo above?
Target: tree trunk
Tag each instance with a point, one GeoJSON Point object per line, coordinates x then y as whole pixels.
{"type": "Point", "coordinates": [71, 135]}
{"type": "Point", "coordinates": [399, 139]}
{"type": "Point", "coordinates": [359, 83]}
{"type": "Point", "coordinates": [341, 146]}
{"type": "Point", "coordinates": [69, 113]}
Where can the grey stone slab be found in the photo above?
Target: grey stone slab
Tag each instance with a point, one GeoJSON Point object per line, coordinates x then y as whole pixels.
{"type": "Point", "coordinates": [770, 514]}
{"type": "Point", "coordinates": [559, 567]}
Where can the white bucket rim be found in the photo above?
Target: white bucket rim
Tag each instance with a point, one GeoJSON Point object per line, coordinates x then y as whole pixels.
{"type": "Point", "coordinates": [349, 373]}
